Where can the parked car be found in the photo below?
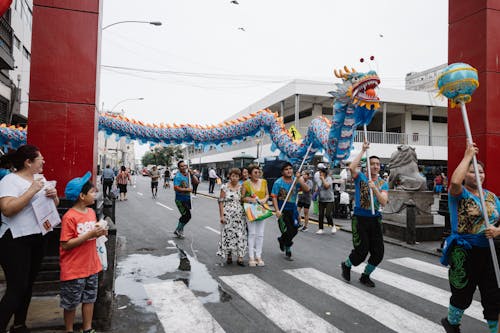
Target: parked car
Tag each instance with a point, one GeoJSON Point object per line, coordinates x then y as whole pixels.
{"type": "Point", "coordinates": [145, 172]}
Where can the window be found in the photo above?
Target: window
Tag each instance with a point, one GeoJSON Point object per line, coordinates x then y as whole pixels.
{"type": "Point", "coordinates": [17, 42]}
{"type": "Point", "coordinates": [15, 5]}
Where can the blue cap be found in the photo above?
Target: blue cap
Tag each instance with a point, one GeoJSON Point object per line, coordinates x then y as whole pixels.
{"type": "Point", "coordinates": [75, 185]}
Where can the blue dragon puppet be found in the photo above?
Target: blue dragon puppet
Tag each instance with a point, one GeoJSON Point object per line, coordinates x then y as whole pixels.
{"type": "Point", "coordinates": [355, 102]}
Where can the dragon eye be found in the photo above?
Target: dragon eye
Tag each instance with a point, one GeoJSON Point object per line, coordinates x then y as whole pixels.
{"type": "Point", "coordinates": [354, 79]}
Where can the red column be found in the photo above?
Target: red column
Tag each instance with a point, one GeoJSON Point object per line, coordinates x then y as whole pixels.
{"type": "Point", "coordinates": [62, 118]}
{"type": "Point", "coordinates": [474, 38]}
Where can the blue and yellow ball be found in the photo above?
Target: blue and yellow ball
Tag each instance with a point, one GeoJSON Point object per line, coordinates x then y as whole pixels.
{"type": "Point", "coordinates": [458, 82]}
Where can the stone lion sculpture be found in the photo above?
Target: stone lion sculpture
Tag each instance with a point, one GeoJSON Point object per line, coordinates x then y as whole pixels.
{"type": "Point", "coordinates": [404, 170]}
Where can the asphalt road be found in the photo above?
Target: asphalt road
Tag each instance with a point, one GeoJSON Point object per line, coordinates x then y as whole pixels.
{"type": "Point", "coordinates": [304, 295]}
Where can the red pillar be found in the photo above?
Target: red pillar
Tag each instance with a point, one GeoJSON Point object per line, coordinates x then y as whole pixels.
{"type": "Point", "coordinates": [474, 38]}
{"type": "Point", "coordinates": [63, 118]}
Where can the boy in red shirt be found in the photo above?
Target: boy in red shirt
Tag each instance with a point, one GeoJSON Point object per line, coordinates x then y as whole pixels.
{"type": "Point", "coordinates": [78, 255]}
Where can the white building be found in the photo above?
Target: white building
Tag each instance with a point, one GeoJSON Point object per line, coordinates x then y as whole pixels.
{"type": "Point", "coordinates": [416, 118]}
{"type": "Point", "coordinates": [15, 57]}
{"type": "Point", "coordinates": [425, 80]}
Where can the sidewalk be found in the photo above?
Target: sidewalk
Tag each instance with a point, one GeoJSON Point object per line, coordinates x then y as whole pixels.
{"type": "Point", "coordinates": [430, 247]}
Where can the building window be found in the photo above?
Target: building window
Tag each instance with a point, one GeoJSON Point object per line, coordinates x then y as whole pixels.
{"type": "Point", "coordinates": [415, 137]}
{"type": "Point", "coordinates": [26, 54]}
{"type": "Point", "coordinates": [17, 42]}
{"type": "Point", "coordinates": [15, 5]}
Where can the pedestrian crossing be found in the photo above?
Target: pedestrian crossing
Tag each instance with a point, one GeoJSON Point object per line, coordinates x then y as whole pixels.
{"type": "Point", "coordinates": [176, 305]}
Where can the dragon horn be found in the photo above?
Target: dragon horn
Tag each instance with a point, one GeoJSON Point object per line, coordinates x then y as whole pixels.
{"type": "Point", "coordinates": [337, 74]}
{"type": "Point", "coordinates": [347, 70]}
{"type": "Point", "coordinates": [353, 70]}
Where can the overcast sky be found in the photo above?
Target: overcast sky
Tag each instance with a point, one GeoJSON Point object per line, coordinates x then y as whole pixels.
{"type": "Point", "coordinates": [199, 67]}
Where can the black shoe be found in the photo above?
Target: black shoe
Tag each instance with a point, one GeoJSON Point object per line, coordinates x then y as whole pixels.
{"type": "Point", "coordinates": [179, 234]}
{"type": "Point", "coordinates": [346, 271]}
{"type": "Point", "coordinates": [449, 328]}
{"type": "Point", "coordinates": [365, 279]}
{"type": "Point", "coordinates": [288, 255]}
{"type": "Point", "coordinates": [240, 262]}
{"type": "Point", "coordinates": [19, 329]}
{"type": "Point", "coordinates": [282, 245]}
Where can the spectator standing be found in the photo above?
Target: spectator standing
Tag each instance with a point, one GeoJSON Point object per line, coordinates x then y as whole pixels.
{"type": "Point", "coordinates": [244, 175]}
{"type": "Point", "coordinates": [122, 180]}
{"type": "Point", "coordinates": [166, 178]}
{"type": "Point", "coordinates": [438, 183]}
{"type": "Point", "coordinates": [108, 176]}
{"type": "Point", "coordinates": [21, 242]}
{"type": "Point", "coordinates": [195, 181]}
{"type": "Point", "coordinates": [234, 231]}
{"type": "Point", "coordinates": [155, 177]}
{"type": "Point", "coordinates": [255, 190]}
{"type": "Point", "coordinates": [325, 200]}
{"type": "Point", "coordinates": [79, 261]}
{"type": "Point", "coordinates": [212, 177]}
{"type": "Point", "coordinates": [304, 201]}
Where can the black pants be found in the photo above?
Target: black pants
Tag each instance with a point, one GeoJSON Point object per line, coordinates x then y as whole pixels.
{"type": "Point", "coordinates": [195, 188]}
{"type": "Point", "coordinates": [287, 227]}
{"type": "Point", "coordinates": [367, 238]}
{"type": "Point", "coordinates": [106, 186]}
{"type": "Point", "coordinates": [20, 259]}
{"type": "Point", "coordinates": [470, 269]}
{"type": "Point", "coordinates": [211, 185]}
{"type": "Point", "coordinates": [185, 210]}
{"type": "Point", "coordinates": [325, 208]}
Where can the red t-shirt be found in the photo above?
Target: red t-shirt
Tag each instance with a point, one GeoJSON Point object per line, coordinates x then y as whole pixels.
{"type": "Point", "coordinates": [81, 261]}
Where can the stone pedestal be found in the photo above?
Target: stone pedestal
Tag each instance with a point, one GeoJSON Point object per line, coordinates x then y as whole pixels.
{"type": "Point", "coordinates": [395, 217]}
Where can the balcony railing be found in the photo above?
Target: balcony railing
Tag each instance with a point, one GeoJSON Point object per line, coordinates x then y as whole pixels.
{"type": "Point", "coordinates": [6, 37]}
{"type": "Point", "coordinates": [373, 137]}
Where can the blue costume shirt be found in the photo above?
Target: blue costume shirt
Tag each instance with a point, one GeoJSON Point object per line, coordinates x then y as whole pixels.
{"type": "Point", "coordinates": [183, 182]}
{"type": "Point", "coordinates": [362, 206]}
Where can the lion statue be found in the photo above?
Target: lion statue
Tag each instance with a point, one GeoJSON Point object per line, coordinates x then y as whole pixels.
{"type": "Point", "coordinates": [404, 170]}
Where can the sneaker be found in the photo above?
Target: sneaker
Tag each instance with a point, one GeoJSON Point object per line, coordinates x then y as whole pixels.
{"type": "Point", "coordinates": [334, 229]}
{"type": "Point", "coordinates": [260, 262]}
{"type": "Point", "coordinates": [288, 253]}
{"type": "Point", "coordinates": [346, 271]}
{"type": "Point", "coordinates": [89, 331]}
{"type": "Point", "coordinates": [449, 328]}
{"type": "Point", "coordinates": [365, 279]}
{"type": "Point", "coordinates": [319, 232]}
{"type": "Point", "coordinates": [304, 229]}
{"type": "Point", "coordinates": [252, 262]}
{"type": "Point", "coordinates": [282, 245]}
{"type": "Point", "coordinates": [179, 234]}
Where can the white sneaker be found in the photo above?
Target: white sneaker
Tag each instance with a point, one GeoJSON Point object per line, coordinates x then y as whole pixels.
{"type": "Point", "coordinates": [319, 232]}
{"type": "Point", "coordinates": [334, 229]}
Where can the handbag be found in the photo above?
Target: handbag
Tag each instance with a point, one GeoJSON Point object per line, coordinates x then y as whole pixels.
{"type": "Point", "coordinates": [256, 211]}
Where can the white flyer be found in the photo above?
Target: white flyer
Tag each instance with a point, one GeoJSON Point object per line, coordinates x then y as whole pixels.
{"type": "Point", "coordinates": [46, 213]}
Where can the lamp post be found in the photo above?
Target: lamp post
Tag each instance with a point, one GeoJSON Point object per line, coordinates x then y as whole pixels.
{"type": "Point", "coordinates": [156, 23]}
{"type": "Point", "coordinates": [124, 100]}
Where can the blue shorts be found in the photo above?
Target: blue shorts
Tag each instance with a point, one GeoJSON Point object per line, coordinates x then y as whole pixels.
{"type": "Point", "coordinates": [74, 292]}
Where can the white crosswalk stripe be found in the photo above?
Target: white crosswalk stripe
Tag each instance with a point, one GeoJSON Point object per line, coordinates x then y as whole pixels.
{"type": "Point", "coordinates": [178, 308]}
{"type": "Point", "coordinates": [387, 313]}
{"type": "Point", "coordinates": [422, 266]}
{"type": "Point", "coordinates": [286, 313]}
{"type": "Point", "coordinates": [420, 289]}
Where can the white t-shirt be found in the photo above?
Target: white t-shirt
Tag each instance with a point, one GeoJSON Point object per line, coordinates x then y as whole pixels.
{"type": "Point", "coordinates": [23, 223]}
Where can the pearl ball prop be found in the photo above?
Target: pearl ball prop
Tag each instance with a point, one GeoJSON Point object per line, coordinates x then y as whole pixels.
{"type": "Point", "coordinates": [458, 82]}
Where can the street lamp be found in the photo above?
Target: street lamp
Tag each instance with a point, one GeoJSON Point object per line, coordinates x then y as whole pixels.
{"type": "Point", "coordinates": [156, 23]}
{"type": "Point", "coordinates": [126, 99]}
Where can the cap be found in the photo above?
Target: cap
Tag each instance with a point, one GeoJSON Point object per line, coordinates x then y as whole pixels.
{"type": "Point", "coordinates": [386, 174]}
{"type": "Point", "coordinates": [321, 166]}
{"type": "Point", "coordinates": [75, 185]}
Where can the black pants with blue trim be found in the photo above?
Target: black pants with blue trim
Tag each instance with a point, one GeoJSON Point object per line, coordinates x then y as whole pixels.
{"type": "Point", "coordinates": [367, 238]}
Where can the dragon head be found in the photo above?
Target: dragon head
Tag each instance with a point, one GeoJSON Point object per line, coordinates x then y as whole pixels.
{"type": "Point", "coordinates": [359, 87]}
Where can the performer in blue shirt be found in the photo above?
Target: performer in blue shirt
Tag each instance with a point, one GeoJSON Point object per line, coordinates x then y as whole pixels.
{"type": "Point", "coordinates": [467, 249]}
{"type": "Point", "coordinates": [366, 227]}
{"type": "Point", "coordinates": [182, 197]}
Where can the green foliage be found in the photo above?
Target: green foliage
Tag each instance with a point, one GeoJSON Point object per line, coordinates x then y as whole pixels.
{"type": "Point", "coordinates": [162, 155]}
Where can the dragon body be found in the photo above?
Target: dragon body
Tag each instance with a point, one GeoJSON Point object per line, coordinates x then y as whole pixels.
{"type": "Point", "coordinates": [355, 102]}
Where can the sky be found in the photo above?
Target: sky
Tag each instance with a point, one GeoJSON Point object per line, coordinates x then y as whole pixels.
{"type": "Point", "coordinates": [211, 58]}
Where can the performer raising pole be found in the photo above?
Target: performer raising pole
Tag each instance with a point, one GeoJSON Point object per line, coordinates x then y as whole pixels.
{"type": "Point", "coordinates": [473, 210]}
{"type": "Point", "coordinates": [285, 205]}
{"type": "Point", "coordinates": [366, 222]}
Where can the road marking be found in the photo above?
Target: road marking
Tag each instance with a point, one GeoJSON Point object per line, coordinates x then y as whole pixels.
{"type": "Point", "coordinates": [214, 230]}
{"type": "Point", "coordinates": [422, 266]}
{"type": "Point", "coordinates": [178, 308]}
{"type": "Point", "coordinates": [164, 206]}
{"type": "Point", "coordinates": [171, 242]}
{"type": "Point", "coordinates": [387, 313]}
{"type": "Point", "coordinates": [286, 313]}
{"type": "Point", "coordinates": [139, 193]}
{"type": "Point", "coordinates": [420, 289]}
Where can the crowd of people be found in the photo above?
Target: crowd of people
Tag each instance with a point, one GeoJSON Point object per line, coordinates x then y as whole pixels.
{"type": "Point", "coordinates": [242, 229]}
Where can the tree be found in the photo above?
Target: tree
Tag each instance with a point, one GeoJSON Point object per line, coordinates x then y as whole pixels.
{"type": "Point", "coordinates": [162, 155]}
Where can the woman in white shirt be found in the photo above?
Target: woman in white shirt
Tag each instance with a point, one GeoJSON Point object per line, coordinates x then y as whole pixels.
{"type": "Point", "coordinates": [21, 242]}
